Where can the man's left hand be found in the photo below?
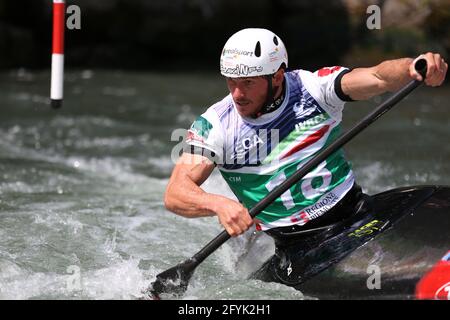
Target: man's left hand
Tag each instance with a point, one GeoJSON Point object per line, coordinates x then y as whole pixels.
{"type": "Point", "coordinates": [436, 69]}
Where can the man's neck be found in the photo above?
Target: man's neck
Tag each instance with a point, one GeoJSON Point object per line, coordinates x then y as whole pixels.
{"type": "Point", "coordinates": [279, 97]}
{"type": "Point", "coordinates": [279, 91]}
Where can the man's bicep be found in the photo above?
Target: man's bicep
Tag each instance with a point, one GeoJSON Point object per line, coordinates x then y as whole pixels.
{"type": "Point", "coordinates": [196, 167]}
{"type": "Point", "coordinates": [362, 84]}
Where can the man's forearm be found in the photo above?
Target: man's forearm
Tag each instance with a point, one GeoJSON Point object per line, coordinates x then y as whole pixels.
{"type": "Point", "coordinates": [393, 74]}
{"type": "Point", "coordinates": [388, 76]}
{"type": "Point", "coordinates": [187, 199]}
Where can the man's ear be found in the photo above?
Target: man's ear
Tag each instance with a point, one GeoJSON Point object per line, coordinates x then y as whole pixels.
{"type": "Point", "coordinates": [278, 77]}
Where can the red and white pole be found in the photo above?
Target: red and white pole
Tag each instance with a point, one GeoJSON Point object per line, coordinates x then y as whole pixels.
{"type": "Point", "coordinates": [56, 89]}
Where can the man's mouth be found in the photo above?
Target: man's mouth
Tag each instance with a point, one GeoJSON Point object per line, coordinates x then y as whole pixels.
{"type": "Point", "coordinates": [242, 103]}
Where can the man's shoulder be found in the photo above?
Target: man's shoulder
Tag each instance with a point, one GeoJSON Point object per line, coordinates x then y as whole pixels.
{"type": "Point", "coordinates": [293, 72]}
{"type": "Point", "coordinates": [321, 74]}
{"type": "Point", "coordinates": [299, 75]}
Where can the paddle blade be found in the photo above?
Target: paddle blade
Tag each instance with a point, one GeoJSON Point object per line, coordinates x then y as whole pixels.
{"type": "Point", "coordinates": [173, 281]}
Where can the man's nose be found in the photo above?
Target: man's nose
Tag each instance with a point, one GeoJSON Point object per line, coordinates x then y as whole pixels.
{"type": "Point", "coordinates": [238, 93]}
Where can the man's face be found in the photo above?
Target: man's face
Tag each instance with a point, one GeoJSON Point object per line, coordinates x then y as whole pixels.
{"type": "Point", "coordinates": [249, 94]}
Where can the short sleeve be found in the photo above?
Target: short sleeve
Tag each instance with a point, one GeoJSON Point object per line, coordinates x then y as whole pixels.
{"type": "Point", "coordinates": [204, 137]}
{"type": "Point", "coordinates": [322, 86]}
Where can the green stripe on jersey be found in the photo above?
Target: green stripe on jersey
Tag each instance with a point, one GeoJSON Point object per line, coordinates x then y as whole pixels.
{"type": "Point", "coordinates": [300, 130]}
{"type": "Point", "coordinates": [250, 188]}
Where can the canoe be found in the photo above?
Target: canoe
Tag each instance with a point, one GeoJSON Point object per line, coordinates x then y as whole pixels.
{"type": "Point", "coordinates": [384, 253]}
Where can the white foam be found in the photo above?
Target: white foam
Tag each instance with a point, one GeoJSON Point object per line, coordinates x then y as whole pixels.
{"type": "Point", "coordinates": [122, 280]}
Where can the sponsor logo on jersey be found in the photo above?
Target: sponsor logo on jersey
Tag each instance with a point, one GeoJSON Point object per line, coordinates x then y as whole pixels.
{"type": "Point", "coordinates": [301, 217]}
{"type": "Point", "coordinates": [299, 109]}
{"type": "Point", "coordinates": [201, 128]}
{"type": "Point", "coordinates": [316, 210]}
{"type": "Point", "coordinates": [246, 144]}
{"type": "Point", "coordinates": [310, 122]}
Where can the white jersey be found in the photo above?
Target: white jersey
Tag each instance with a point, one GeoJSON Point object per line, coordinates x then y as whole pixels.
{"type": "Point", "coordinates": [256, 155]}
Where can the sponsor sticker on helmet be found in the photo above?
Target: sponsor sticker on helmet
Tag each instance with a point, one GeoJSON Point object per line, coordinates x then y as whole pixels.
{"type": "Point", "coordinates": [241, 70]}
{"type": "Point", "coordinates": [237, 52]}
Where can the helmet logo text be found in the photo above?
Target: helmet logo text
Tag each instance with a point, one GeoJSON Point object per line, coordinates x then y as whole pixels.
{"type": "Point", "coordinates": [241, 70]}
{"type": "Point", "coordinates": [238, 52]}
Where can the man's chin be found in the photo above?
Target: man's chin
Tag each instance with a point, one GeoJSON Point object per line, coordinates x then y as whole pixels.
{"type": "Point", "coordinates": [245, 111]}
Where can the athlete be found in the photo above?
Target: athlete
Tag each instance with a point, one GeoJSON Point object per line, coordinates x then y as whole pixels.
{"type": "Point", "coordinates": [271, 123]}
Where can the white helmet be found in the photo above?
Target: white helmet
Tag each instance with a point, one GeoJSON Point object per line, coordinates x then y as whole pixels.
{"type": "Point", "coordinates": [252, 52]}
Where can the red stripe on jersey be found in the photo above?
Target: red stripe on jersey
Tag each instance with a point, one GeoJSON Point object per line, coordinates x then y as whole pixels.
{"type": "Point", "coordinates": [326, 71]}
{"type": "Point", "coordinates": [308, 141]}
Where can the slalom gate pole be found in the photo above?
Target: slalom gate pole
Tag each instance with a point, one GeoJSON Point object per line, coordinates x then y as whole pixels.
{"type": "Point", "coordinates": [57, 73]}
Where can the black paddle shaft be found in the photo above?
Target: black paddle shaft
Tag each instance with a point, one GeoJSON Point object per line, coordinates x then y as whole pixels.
{"type": "Point", "coordinates": [421, 67]}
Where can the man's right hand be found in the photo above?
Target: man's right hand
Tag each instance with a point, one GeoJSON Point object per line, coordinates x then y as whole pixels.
{"type": "Point", "coordinates": [184, 196]}
{"type": "Point", "coordinates": [233, 216]}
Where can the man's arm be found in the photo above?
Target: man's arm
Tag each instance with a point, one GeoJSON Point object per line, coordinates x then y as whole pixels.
{"type": "Point", "coordinates": [184, 196]}
{"type": "Point", "coordinates": [390, 76]}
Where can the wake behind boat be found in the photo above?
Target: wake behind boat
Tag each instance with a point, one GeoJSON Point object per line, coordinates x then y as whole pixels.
{"type": "Point", "coordinates": [382, 252]}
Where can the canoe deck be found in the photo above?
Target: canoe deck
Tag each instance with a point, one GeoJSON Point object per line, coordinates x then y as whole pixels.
{"type": "Point", "coordinates": [381, 254]}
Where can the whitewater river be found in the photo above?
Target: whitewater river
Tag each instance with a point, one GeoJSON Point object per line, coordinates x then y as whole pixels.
{"type": "Point", "coordinates": [81, 188]}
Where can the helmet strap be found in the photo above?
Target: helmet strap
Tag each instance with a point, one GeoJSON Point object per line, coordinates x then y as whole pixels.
{"type": "Point", "coordinates": [271, 104]}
